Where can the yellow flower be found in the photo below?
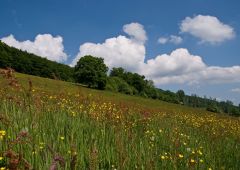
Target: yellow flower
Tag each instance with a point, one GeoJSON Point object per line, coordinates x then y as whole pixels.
{"type": "Point", "coordinates": [1, 158]}
{"type": "Point", "coordinates": [180, 155]}
{"type": "Point", "coordinates": [2, 132]}
{"type": "Point", "coordinates": [201, 161]}
{"type": "Point", "coordinates": [162, 157]}
{"type": "Point", "coordinates": [192, 160]}
{"type": "Point", "coordinates": [199, 152]}
{"type": "Point", "coordinates": [62, 138]}
{"type": "Point", "coordinates": [2, 168]}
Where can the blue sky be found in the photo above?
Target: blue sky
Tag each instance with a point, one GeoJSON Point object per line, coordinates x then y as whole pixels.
{"type": "Point", "coordinates": [81, 21]}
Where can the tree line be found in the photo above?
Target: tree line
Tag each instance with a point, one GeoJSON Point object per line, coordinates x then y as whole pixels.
{"type": "Point", "coordinates": [93, 72]}
{"type": "Point", "coordinates": [27, 63]}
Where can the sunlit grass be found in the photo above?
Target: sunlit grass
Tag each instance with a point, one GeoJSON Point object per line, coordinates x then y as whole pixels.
{"type": "Point", "coordinates": [48, 123]}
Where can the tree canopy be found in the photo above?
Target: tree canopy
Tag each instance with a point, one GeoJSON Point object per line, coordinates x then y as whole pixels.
{"type": "Point", "coordinates": [91, 71]}
{"type": "Point", "coordinates": [27, 63]}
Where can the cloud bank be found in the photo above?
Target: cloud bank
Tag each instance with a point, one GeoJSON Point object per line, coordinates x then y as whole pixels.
{"type": "Point", "coordinates": [44, 45]}
{"type": "Point", "coordinates": [207, 29]}
{"type": "Point", "coordinates": [178, 67]}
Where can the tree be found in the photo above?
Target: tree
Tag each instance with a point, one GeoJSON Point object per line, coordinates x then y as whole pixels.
{"type": "Point", "coordinates": [180, 95]}
{"type": "Point", "coordinates": [91, 71]}
{"type": "Point", "coordinates": [117, 72]}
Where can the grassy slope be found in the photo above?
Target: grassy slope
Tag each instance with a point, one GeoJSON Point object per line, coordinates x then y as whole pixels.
{"type": "Point", "coordinates": [61, 86]}
{"type": "Point", "coordinates": [85, 124]}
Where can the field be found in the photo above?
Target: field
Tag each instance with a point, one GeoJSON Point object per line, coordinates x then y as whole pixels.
{"type": "Point", "coordinates": [50, 124]}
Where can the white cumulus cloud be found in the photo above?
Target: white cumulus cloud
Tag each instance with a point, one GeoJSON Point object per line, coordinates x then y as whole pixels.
{"type": "Point", "coordinates": [207, 29]}
{"type": "Point", "coordinates": [136, 31]}
{"type": "Point", "coordinates": [44, 45]}
{"type": "Point", "coordinates": [119, 51]}
{"type": "Point", "coordinates": [176, 63]}
{"type": "Point", "coordinates": [172, 39]}
{"type": "Point", "coordinates": [178, 67]}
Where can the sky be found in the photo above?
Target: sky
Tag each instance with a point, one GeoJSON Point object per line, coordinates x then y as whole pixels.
{"type": "Point", "coordinates": [188, 44]}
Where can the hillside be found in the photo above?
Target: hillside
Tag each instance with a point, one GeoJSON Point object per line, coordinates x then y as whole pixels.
{"type": "Point", "coordinates": [50, 123]}
{"type": "Point", "coordinates": [119, 80]}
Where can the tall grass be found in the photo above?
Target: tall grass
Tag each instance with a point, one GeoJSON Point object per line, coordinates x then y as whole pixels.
{"type": "Point", "coordinates": [49, 130]}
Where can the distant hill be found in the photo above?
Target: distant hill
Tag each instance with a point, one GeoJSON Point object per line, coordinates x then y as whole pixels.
{"type": "Point", "coordinates": [24, 62]}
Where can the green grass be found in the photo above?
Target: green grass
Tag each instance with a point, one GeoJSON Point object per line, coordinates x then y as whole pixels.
{"type": "Point", "coordinates": [56, 122]}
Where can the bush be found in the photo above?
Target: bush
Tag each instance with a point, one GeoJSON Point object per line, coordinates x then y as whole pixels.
{"type": "Point", "coordinates": [119, 85]}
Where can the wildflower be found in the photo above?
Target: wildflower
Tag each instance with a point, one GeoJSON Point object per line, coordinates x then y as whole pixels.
{"type": "Point", "coordinates": [160, 130]}
{"type": "Point", "coordinates": [199, 152]}
{"type": "Point", "coordinates": [2, 168]}
{"type": "Point", "coordinates": [192, 160]}
{"type": "Point", "coordinates": [152, 138]}
{"type": "Point", "coordinates": [162, 157]}
{"type": "Point", "coordinates": [2, 134]}
{"type": "Point", "coordinates": [62, 137]}
{"type": "Point", "coordinates": [73, 114]}
{"type": "Point", "coordinates": [201, 161]}
{"type": "Point", "coordinates": [180, 155]}
{"type": "Point", "coordinates": [1, 158]}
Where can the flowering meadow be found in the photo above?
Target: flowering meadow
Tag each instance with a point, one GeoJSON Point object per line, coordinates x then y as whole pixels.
{"type": "Point", "coordinates": [49, 124]}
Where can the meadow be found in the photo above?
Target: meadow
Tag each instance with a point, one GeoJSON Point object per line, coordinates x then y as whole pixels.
{"type": "Point", "coordinates": [51, 124]}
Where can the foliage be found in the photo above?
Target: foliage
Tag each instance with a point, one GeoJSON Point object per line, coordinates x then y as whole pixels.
{"type": "Point", "coordinates": [141, 86]}
{"type": "Point", "coordinates": [91, 71]}
{"type": "Point", "coordinates": [119, 85]}
{"type": "Point", "coordinates": [146, 88]}
{"type": "Point", "coordinates": [27, 63]}
{"type": "Point", "coordinates": [180, 94]}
